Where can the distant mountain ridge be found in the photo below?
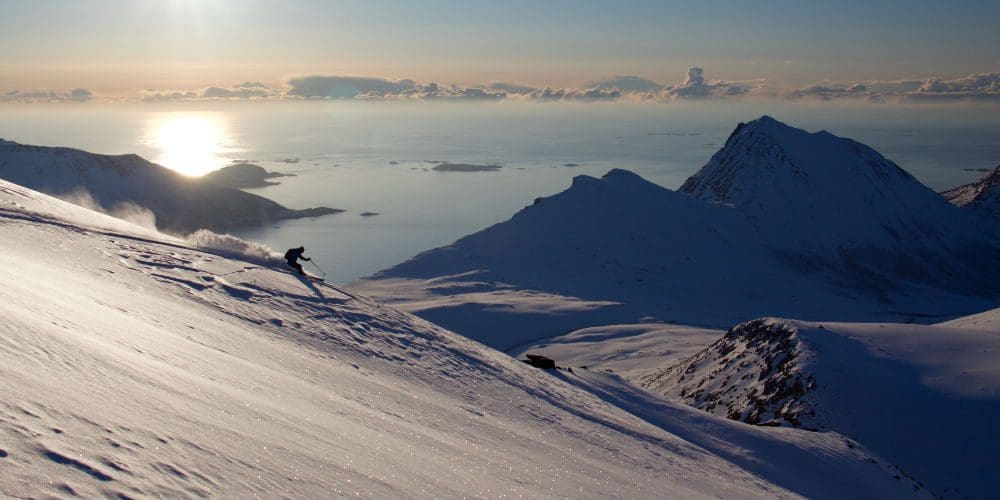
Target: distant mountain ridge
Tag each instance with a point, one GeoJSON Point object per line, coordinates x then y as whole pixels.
{"type": "Point", "coordinates": [780, 222]}
{"type": "Point", "coordinates": [982, 196]}
{"type": "Point", "coordinates": [180, 204]}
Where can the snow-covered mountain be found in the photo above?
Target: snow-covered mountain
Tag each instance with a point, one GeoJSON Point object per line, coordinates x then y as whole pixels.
{"type": "Point", "coordinates": [130, 184]}
{"type": "Point", "coordinates": [135, 364]}
{"type": "Point", "coordinates": [780, 222]}
{"type": "Point", "coordinates": [924, 397]}
{"type": "Point", "coordinates": [982, 196]}
{"type": "Point", "coordinates": [832, 205]}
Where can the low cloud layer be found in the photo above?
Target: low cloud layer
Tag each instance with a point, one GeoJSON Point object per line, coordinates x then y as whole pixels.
{"type": "Point", "coordinates": [978, 86]}
{"type": "Point", "coordinates": [245, 90]}
{"type": "Point", "coordinates": [31, 96]}
{"type": "Point", "coordinates": [829, 92]}
{"type": "Point", "coordinates": [627, 84]}
{"type": "Point", "coordinates": [694, 86]}
{"type": "Point", "coordinates": [345, 87]}
{"type": "Point", "coordinates": [975, 87]}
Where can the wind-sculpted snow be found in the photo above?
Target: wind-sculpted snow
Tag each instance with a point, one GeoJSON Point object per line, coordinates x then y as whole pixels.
{"type": "Point", "coordinates": [924, 397]}
{"type": "Point", "coordinates": [115, 183]}
{"type": "Point", "coordinates": [134, 365]}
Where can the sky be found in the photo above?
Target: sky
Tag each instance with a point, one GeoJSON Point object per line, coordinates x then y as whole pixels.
{"type": "Point", "coordinates": [113, 48]}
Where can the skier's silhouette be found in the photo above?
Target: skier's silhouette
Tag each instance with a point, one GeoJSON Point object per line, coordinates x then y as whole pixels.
{"type": "Point", "coordinates": [293, 255]}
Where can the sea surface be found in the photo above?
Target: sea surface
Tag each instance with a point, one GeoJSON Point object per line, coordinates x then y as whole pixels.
{"type": "Point", "coordinates": [378, 157]}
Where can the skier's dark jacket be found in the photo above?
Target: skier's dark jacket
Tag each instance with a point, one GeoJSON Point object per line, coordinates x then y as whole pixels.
{"type": "Point", "coordinates": [293, 254]}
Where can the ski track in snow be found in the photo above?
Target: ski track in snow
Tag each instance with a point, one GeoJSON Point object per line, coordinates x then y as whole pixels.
{"type": "Point", "coordinates": [134, 366]}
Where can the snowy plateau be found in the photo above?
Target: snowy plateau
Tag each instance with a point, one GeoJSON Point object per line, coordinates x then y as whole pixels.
{"type": "Point", "coordinates": [137, 364]}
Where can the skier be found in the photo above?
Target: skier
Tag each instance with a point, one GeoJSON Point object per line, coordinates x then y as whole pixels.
{"type": "Point", "coordinates": [293, 255]}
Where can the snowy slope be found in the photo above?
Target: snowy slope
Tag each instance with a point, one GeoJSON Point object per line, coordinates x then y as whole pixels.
{"type": "Point", "coordinates": [982, 196]}
{"type": "Point", "coordinates": [780, 222]}
{"type": "Point", "coordinates": [986, 320]}
{"type": "Point", "coordinates": [129, 183]}
{"type": "Point", "coordinates": [631, 351]}
{"type": "Point", "coordinates": [134, 365]}
{"type": "Point", "coordinates": [606, 250]}
{"type": "Point", "coordinates": [924, 397]}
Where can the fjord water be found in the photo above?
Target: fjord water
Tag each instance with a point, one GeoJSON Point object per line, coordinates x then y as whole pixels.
{"type": "Point", "coordinates": [378, 157]}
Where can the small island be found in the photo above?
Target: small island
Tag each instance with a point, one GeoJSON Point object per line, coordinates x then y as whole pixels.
{"type": "Point", "coordinates": [369, 214]}
{"type": "Point", "coordinates": [243, 175]}
{"type": "Point", "coordinates": [466, 167]}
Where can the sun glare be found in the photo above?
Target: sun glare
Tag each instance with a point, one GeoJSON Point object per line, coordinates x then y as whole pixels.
{"type": "Point", "coordinates": [190, 144]}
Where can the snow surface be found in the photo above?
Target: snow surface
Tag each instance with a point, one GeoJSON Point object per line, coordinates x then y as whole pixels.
{"type": "Point", "coordinates": [130, 187]}
{"type": "Point", "coordinates": [632, 351]}
{"type": "Point", "coordinates": [924, 397]}
{"type": "Point", "coordinates": [780, 222]}
{"type": "Point", "coordinates": [987, 320]}
{"type": "Point", "coordinates": [135, 365]}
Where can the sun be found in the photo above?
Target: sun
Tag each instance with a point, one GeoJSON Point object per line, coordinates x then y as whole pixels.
{"type": "Point", "coordinates": [191, 144]}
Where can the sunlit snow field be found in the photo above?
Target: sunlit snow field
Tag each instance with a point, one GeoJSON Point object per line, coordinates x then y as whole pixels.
{"type": "Point", "coordinates": [378, 156]}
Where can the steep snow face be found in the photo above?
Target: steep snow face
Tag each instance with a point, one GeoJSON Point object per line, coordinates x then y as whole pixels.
{"type": "Point", "coordinates": [133, 365]}
{"type": "Point", "coordinates": [982, 196]}
{"type": "Point", "coordinates": [815, 185]}
{"type": "Point", "coordinates": [924, 397]}
{"type": "Point", "coordinates": [130, 185]}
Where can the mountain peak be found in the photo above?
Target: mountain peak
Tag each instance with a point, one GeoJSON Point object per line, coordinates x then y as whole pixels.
{"type": "Point", "coordinates": [616, 179]}
{"type": "Point", "coordinates": [767, 127]}
{"type": "Point", "coordinates": [792, 178]}
{"type": "Point", "coordinates": [767, 121]}
{"type": "Point", "coordinates": [620, 173]}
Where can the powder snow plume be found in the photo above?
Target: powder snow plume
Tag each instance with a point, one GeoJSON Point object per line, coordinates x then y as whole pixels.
{"type": "Point", "coordinates": [228, 245]}
{"type": "Point", "coordinates": [127, 211]}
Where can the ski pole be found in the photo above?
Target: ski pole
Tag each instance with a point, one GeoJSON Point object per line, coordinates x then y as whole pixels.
{"type": "Point", "coordinates": [317, 267]}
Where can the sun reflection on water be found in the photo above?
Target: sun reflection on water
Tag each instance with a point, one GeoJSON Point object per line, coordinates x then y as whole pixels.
{"type": "Point", "coordinates": [192, 144]}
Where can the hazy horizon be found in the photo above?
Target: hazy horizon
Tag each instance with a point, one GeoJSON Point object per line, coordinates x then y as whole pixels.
{"type": "Point", "coordinates": [646, 50]}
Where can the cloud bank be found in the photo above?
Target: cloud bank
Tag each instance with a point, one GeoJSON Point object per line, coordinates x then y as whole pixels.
{"type": "Point", "coordinates": [345, 87]}
{"type": "Point", "coordinates": [245, 90]}
{"type": "Point", "coordinates": [32, 96]}
{"type": "Point", "coordinates": [627, 84]}
{"type": "Point", "coordinates": [977, 87]}
{"type": "Point", "coordinates": [695, 86]}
